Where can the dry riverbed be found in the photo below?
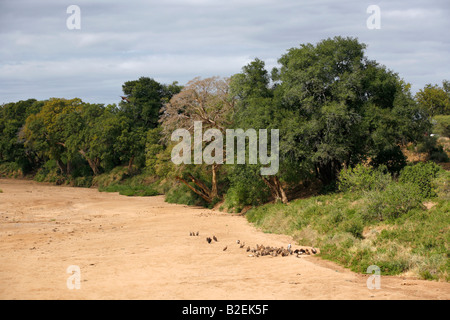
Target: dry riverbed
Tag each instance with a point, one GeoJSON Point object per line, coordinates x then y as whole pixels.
{"type": "Point", "coordinates": [141, 248]}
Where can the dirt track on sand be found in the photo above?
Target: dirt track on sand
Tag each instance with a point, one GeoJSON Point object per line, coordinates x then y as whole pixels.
{"type": "Point", "coordinates": [140, 248]}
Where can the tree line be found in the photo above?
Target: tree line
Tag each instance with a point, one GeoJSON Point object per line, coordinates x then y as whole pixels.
{"type": "Point", "coordinates": [333, 106]}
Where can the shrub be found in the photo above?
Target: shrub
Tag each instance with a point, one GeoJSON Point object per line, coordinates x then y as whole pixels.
{"type": "Point", "coordinates": [10, 170]}
{"type": "Point", "coordinates": [392, 158]}
{"type": "Point", "coordinates": [435, 151]}
{"type": "Point", "coordinates": [421, 175]}
{"type": "Point", "coordinates": [82, 182]}
{"type": "Point", "coordinates": [438, 155]}
{"type": "Point", "coordinates": [442, 126]}
{"type": "Point", "coordinates": [115, 176]}
{"type": "Point", "coordinates": [49, 172]}
{"type": "Point", "coordinates": [427, 145]}
{"type": "Point", "coordinates": [361, 178]}
{"type": "Point", "coordinates": [183, 195]}
{"type": "Point", "coordinates": [130, 191]}
{"type": "Point", "coordinates": [396, 200]}
{"type": "Point", "coordinates": [246, 188]}
{"type": "Point", "coordinates": [441, 185]}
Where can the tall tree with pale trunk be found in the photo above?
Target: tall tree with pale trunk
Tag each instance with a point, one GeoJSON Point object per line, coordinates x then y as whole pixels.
{"type": "Point", "coordinates": [206, 101]}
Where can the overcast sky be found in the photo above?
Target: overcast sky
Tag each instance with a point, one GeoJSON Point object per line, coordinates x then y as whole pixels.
{"type": "Point", "coordinates": [178, 40]}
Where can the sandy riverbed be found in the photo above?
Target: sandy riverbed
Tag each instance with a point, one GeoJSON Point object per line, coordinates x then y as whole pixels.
{"type": "Point", "coordinates": [140, 248]}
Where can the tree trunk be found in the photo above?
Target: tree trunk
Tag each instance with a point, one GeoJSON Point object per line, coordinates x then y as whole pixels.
{"type": "Point", "coordinates": [130, 164]}
{"type": "Point", "coordinates": [61, 166]}
{"type": "Point", "coordinates": [280, 189]}
{"type": "Point", "coordinates": [69, 167]}
{"type": "Point", "coordinates": [92, 163]}
{"type": "Point", "coordinates": [214, 182]}
{"type": "Point", "coordinates": [276, 189]}
{"type": "Point", "coordinates": [328, 172]}
{"type": "Point", "coordinates": [205, 197]}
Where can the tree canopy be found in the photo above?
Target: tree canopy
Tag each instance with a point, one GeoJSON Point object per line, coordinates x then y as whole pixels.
{"type": "Point", "coordinates": [333, 106]}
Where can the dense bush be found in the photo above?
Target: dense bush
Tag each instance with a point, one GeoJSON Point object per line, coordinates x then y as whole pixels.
{"type": "Point", "coordinates": [421, 175]}
{"type": "Point", "coordinates": [10, 170]}
{"type": "Point", "coordinates": [430, 146]}
{"type": "Point", "coordinates": [49, 172]}
{"type": "Point", "coordinates": [441, 185]}
{"type": "Point", "coordinates": [247, 188]}
{"type": "Point", "coordinates": [442, 126]}
{"type": "Point", "coordinates": [127, 190]}
{"type": "Point", "coordinates": [181, 194]}
{"type": "Point", "coordinates": [439, 155]}
{"type": "Point", "coordinates": [81, 182]}
{"type": "Point", "coordinates": [393, 158]}
{"type": "Point", "coordinates": [394, 201]}
{"type": "Point", "coordinates": [362, 178]}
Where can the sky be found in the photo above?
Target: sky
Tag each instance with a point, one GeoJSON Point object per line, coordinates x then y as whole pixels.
{"type": "Point", "coordinates": [178, 40]}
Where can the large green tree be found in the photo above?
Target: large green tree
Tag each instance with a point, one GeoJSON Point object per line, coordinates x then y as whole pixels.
{"type": "Point", "coordinates": [46, 131]}
{"type": "Point", "coordinates": [347, 107]}
{"type": "Point", "coordinates": [435, 99]}
{"type": "Point", "coordinates": [141, 105]}
{"type": "Point", "coordinates": [12, 119]}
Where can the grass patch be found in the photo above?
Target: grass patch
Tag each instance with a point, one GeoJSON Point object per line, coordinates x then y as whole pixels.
{"type": "Point", "coordinates": [119, 180]}
{"type": "Point", "coordinates": [10, 170]}
{"type": "Point", "coordinates": [131, 191]}
{"type": "Point", "coordinates": [181, 194]}
{"type": "Point", "coordinates": [409, 239]}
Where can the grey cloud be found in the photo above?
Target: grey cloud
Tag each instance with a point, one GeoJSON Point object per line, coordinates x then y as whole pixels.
{"type": "Point", "coordinates": [181, 39]}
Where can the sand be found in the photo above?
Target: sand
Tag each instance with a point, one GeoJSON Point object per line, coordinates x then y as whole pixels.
{"type": "Point", "coordinates": [141, 248]}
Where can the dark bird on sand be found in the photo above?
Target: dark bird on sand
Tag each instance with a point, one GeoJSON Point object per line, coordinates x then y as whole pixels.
{"type": "Point", "coordinates": [224, 249]}
{"type": "Point", "coordinates": [208, 239]}
{"type": "Point", "coordinates": [215, 239]}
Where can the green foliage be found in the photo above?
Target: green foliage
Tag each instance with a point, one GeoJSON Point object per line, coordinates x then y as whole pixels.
{"type": "Point", "coordinates": [431, 147]}
{"type": "Point", "coordinates": [154, 150]}
{"type": "Point", "coordinates": [395, 200]}
{"type": "Point", "coordinates": [10, 170]}
{"type": "Point", "coordinates": [362, 179]}
{"type": "Point", "coordinates": [414, 241]}
{"type": "Point", "coordinates": [115, 176]}
{"type": "Point", "coordinates": [439, 155]}
{"type": "Point", "coordinates": [392, 158]}
{"type": "Point", "coordinates": [181, 194]}
{"type": "Point", "coordinates": [441, 185]}
{"type": "Point", "coordinates": [345, 108]}
{"type": "Point", "coordinates": [434, 99]}
{"type": "Point", "coordinates": [12, 119]}
{"type": "Point", "coordinates": [421, 175]}
{"type": "Point", "coordinates": [145, 98]}
{"type": "Point", "coordinates": [82, 182]}
{"type": "Point", "coordinates": [442, 125]}
{"type": "Point", "coordinates": [49, 172]}
{"type": "Point", "coordinates": [246, 188]}
{"type": "Point", "coordinates": [128, 190]}
{"type": "Point", "coordinates": [427, 145]}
